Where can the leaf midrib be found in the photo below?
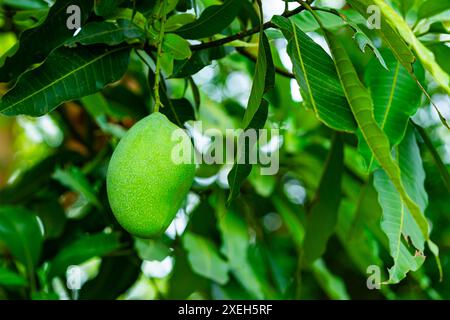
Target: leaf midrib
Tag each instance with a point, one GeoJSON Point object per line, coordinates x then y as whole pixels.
{"type": "Point", "coordinates": [303, 66]}
{"type": "Point", "coordinates": [61, 78]}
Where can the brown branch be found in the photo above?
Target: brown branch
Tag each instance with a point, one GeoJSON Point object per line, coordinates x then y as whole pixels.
{"type": "Point", "coordinates": [278, 70]}
{"type": "Point", "coordinates": [242, 34]}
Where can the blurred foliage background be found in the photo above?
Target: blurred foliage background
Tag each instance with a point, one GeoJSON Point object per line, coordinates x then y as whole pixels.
{"type": "Point", "coordinates": [55, 212]}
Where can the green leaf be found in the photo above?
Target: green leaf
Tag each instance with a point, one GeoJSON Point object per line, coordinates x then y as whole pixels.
{"type": "Point", "coordinates": [353, 232]}
{"type": "Point", "coordinates": [445, 176]}
{"type": "Point", "coordinates": [306, 22]}
{"type": "Point", "coordinates": [35, 44]}
{"type": "Point", "coordinates": [317, 78]}
{"type": "Point", "coordinates": [389, 91]}
{"type": "Point", "coordinates": [35, 179]}
{"type": "Point", "coordinates": [176, 46]}
{"type": "Point", "coordinates": [98, 107]}
{"type": "Point", "coordinates": [398, 223]}
{"type": "Point", "coordinates": [330, 283]}
{"type": "Point", "coordinates": [291, 220]}
{"type": "Point", "coordinates": [52, 216]}
{"type": "Point", "coordinates": [363, 41]}
{"type": "Point", "coordinates": [441, 52]}
{"type": "Point", "coordinates": [74, 179]}
{"type": "Point", "coordinates": [177, 21]}
{"type": "Point", "coordinates": [67, 74]}
{"type": "Point", "coordinates": [9, 278]}
{"type": "Point", "coordinates": [242, 168]}
{"type": "Point", "coordinates": [151, 249]}
{"type": "Point", "coordinates": [105, 8]}
{"type": "Point", "coordinates": [391, 38]}
{"type": "Point", "coordinates": [235, 244]}
{"type": "Point", "coordinates": [424, 54]}
{"type": "Point", "coordinates": [107, 285]}
{"type": "Point", "coordinates": [198, 60]}
{"type": "Point", "coordinates": [204, 258]}
{"type": "Point", "coordinates": [362, 108]}
{"type": "Point", "coordinates": [83, 249]}
{"type": "Point", "coordinates": [213, 20]}
{"type": "Point", "coordinates": [432, 7]}
{"type": "Point", "coordinates": [323, 215]}
{"type": "Point", "coordinates": [26, 4]}
{"type": "Point", "coordinates": [21, 233]}
{"type": "Point", "coordinates": [110, 33]}
{"type": "Point", "coordinates": [263, 79]}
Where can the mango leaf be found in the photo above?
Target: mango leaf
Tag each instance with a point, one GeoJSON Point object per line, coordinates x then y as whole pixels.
{"type": "Point", "coordinates": [389, 91]}
{"type": "Point", "coordinates": [317, 78]}
{"type": "Point", "coordinates": [263, 79]}
{"type": "Point", "coordinates": [21, 233]}
{"type": "Point", "coordinates": [242, 168]}
{"type": "Point", "coordinates": [363, 41]}
{"type": "Point", "coordinates": [67, 74]}
{"type": "Point", "coordinates": [362, 108]}
{"type": "Point", "coordinates": [235, 244]}
{"type": "Point", "coordinates": [107, 285]}
{"type": "Point", "coordinates": [323, 215]}
{"type": "Point", "coordinates": [105, 8]}
{"type": "Point", "coordinates": [83, 249]}
{"type": "Point", "coordinates": [440, 165]}
{"type": "Point", "coordinates": [35, 178]}
{"type": "Point", "coordinates": [197, 61]}
{"type": "Point", "coordinates": [110, 33]}
{"type": "Point", "coordinates": [439, 27]}
{"type": "Point", "coordinates": [176, 46]}
{"type": "Point", "coordinates": [204, 258]}
{"type": "Point", "coordinates": [26, 4]}
{"type": "Point", "coordinates": [431, 8]}
{"type": "Point", "coordinates": [177, 21]}
{"type": "Point", "coordinates": [9, 278]}
{"type": "Point", "coordinates": [398, 223]}
{"type": "Point", "coordinates": [306, 22]}
{"type": "Point", "coordinates": [424, 54]}
{"type": "Point", "coordinates": [330, 283]}
{"type": "Point", "coordinates": [35, 44]}
{"type": "Point", "coordinates": [291, 220]}
{"type": "Point", "coordinates": [74, 179]}
{"type": "Point", "coordinates": [255, 115]}
{"type": "Point", "coordinates": [52, 216]}
{"type": "Point", "coordinates": [354, 235]}
{"type": "Point", "coordinates": [98, 107]}
{"type": "Point", "coordinates": [391, 38]}
{"type": "Point", "coordinates": [213, 20]}
{"type": "Point", "coordinates": [151, 249]}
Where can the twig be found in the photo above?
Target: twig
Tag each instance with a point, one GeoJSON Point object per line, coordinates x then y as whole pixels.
{"type": "Point", "coordinates": [242, 34]}
{"type": "Point", "coordinates": [158, 58]}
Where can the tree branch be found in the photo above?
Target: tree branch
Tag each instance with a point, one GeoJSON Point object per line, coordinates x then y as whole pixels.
{"type": "Point", "coordinates": [242, 34]}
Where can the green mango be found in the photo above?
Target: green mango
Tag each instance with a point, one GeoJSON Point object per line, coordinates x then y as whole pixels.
{"type": "Point", "coordinates": [146, 184]}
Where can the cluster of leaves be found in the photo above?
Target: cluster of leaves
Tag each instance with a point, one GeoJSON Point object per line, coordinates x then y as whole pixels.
{"type": "Point", "coordinates": [360, 179]}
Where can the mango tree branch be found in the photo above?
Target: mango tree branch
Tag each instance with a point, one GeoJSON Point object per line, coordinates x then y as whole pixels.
{"type": "Point", "coordinates": [242, 34]}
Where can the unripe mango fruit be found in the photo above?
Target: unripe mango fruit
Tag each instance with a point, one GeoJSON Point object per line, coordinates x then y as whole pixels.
{"type": "Point", "coordinates": [145, 186]}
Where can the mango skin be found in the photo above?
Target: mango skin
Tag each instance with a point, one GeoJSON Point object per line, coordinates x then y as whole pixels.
{"type": "Point", "coordinates": [145, 187]}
